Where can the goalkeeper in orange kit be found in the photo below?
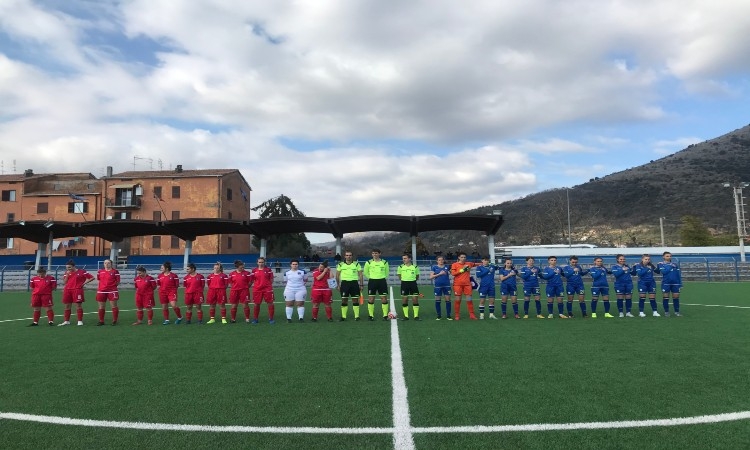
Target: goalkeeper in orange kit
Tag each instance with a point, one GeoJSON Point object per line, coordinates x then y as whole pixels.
{"type": "Point", "coordinates": [461, 271]}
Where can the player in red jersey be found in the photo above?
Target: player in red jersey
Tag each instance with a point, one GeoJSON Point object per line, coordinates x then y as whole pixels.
{"type": "Point", "coordinates": [109, 279]}
{"type": "Point", "coordinates": [144, 295]}
{"type": "Point", "coordinates": [42, 286]}
{"type": "Point", "coordinates": [75, 279]}
{"type": "Point", "coordinates": [194, 284]}
{"type": "Point", "coordinates": [461, 271]}
{"type": "Point", "coordinates": [239, 292]}
{"type": "Point", "coordinates": [321, 291]}
{"type": "Point", "coordinates": [262, 289]}
{"type": "Point", "coordinates": [168, 283]}
{"type": "Point", "coordinates": [217, 293]}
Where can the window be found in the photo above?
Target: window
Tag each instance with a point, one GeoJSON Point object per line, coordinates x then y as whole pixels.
{"type": "Point", "coordinates": [77, 252]}
{"type": "Point", "coordinates": [229, 215]}
{"type": "Point", "coordinates": [156, 242]}
{"type": "Point", "coordinates": [57, 187]}
{"type": "Point", "coordinates": [175, 242]}
{"type": "Point", "coordinates": [122, 215]}
{"type": "Point", "coordinates": [6, 242]}
{"type": "Point", "coordinates": [175, 192]}
{"type": "Point", "coordinates": [78, 207]}
{"type": "Point", "coordinates": [9, 196]}
{"type": "Point", "coordinates": [229, 242]}
{"type": "Point", "coordinates": [157, 216]}
{"type": "Point", "coordinates": [124, 197]}
{"type": "Point", "coordinates": [11, 217]}
{"type": "Point", "coordinates": [157, 192]}
{"type": "Point", "coordinates": [229, 194]}
{"type": "Point", "coordinates": [175, 215]}
{"type": "Point", "coordinates": [90, 187]}
{"type": "Point", "coordinates": [42, 208]}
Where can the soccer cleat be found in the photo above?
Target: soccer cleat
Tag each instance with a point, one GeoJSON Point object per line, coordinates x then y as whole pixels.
{"type": "Point", "coordinates": [371, 318]}
{"type": "Point", "coordinates": [593, 315]}
{"type": "Point", "coordinates": [622, 315]}
{"type": "Point", "coordinates": [608, 316]}
{"type": "Point", "coordinates": [80, 323]}
{"type": "Point", "coordinates": [288, 320]}
{"type": "Point", "coordinates": [481, 316]}
{"type": "Point", "coordinates": [570, 315]}
{"type": "Point", "coordinates": [417, 319]}
{"type": "Point", "coordinates": [211, 321]}
{"type": "Point", "coordinates": [356, 319]}
{"type": "Point", "coordinates": [628, 314]}
{"type": "Point", "coordinates": [385, 318]}
{"type": "Point", "coordinates": [437, 318]}
{"type": "Point", "coordinates": [166, 322]}
{"type": "Point", "coordinates": [188, 322]}
{"type": "Point", "coordinates": [247, 321]}
{"type": "Point", "coordinates": [301, 320]}
{"type": "Point", "coordinates": [516, 316]}
{"type": "Point", "coordinates": [200, 322]}
{"type": "Point", "coordinates": [525, 316]}
{"type": "Point", "coordinates": [137, 322]}
{"type": "Point", "coordinates": [450, 318]}
{"type": "Point", "coordinates": [666, 314]}
{"type": "Point", "coordinates": [178, 320]}
{"type": "Point", "coordinates": [314, 319]}
{"type": "Point", "coordinates": [150, 322]}
{"type": "Point", "coordinates": [404, 318]}
{"type": "Point", "coordinates": [233, 321]}
{"type": "Point", "coordinates": [677, 314]}
{"type": "Point", "coordinates": [457, 318]}
{"type": "Point", "coordinates": [504, 316]}
{"type": "Point", "coordinates": [271, 322]}
{"type": "Point", "coordinates": [472, 317]}
{"type": "Point", "coordinates": [224, 321]}
{"type": "Point", "coordinates": [551, 316]}
{"type": "Point", "coordinates": [62, 324]}
{"type": "Point", "coordinates": [584, 316]}
{"type": "Point", "coordinates": [33, 324]}
{"type": "Point", "coordinates": [563, 316]}
{"type": "Point", "coordinates": [492, 316]}
{"type": "Point", "coordinates": [52, 324]}
{"type": "Point", "coordinates": [114, 323]}
{"type": "Point", "coordinates": [641, 314]}
{"type": "Point", "coordinates": [539, 316]}
{"type": "Point", "coordinates": [656, 314]}
{"type": "Point", "coordinates": [330, 320]}
{"type": "Point", "coordinates": [100, 324]}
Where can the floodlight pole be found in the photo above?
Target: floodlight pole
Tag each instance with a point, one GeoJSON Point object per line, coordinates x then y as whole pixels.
{"type": "Point", "coordinates": [414, 249]}
{"type": "Point", "coordinates": [739, 207]}
{"type": "Point", "coordinates": [49, 253]}
{"type": "Point", "coordinates": [661, 227]}
{"type": "Point", "coordinates": [567, 196]}
{"type": "Point", "coordinates": [40, 249]}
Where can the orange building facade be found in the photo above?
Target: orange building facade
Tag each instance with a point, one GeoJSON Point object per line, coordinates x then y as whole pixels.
{"type": "Point", "coordinates": [144, 195]}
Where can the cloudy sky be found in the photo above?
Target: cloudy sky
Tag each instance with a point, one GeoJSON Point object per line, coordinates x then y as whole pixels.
{"type": "Point", "coordinates": [372, 106]}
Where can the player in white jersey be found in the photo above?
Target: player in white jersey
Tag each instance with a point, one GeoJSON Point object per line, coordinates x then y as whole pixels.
{"type": "Point", "coordinates": [295, 291]}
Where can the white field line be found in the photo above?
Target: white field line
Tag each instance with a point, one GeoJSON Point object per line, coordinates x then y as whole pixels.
{"type": "Point", "coordinates": [679, 421]}
{"type": "Point", "coordinates": [59, 314]}
{"type": "Point", "coordinates": [718, 306]}
{"type": "Point", "coordinates": [402, 430]}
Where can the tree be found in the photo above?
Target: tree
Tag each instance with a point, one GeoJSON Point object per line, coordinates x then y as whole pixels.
{"type": "Point", "coordinates": [291, 244]}
{"type": "Point", "coordinates": [693, 233]}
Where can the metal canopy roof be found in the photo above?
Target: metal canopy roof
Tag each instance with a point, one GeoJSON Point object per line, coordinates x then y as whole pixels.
{"type": "Point", "coordinates": [189, 229]}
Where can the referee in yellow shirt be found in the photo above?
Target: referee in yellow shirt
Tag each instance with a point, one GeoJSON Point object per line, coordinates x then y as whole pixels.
{"type": "Point", "coordinates": [408, 273]}
{"type": "Point", "coordinates": [376, 271]}
{"type": "Point", "coordinates": [350, 281]}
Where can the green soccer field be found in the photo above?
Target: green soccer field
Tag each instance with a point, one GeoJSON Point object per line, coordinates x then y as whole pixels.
{"type": "Point", "coordinates": [331, 385]}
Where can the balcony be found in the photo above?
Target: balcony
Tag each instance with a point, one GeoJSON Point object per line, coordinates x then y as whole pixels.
{"type": "Point", "coordinates": [123, 203]}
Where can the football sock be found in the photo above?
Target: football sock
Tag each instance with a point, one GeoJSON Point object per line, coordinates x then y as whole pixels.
{"type": "Point", "coordinates": [177, 312]}
{"type": "Point", "coordinates": [289, 312]}
{"type": "Point", "coordinates": [301, 312]}
{"type": "Point", "coordinates": [246, 311]}
{"type": "Point", "coordinates": [150, 315]}
{"type": "Point", "coordinates": [515, 308]}
{"type": "Point", "coordinates": [594, 303]}
{"type": "Point", "coordinates": [189, 315]}
{"type": "Point", "coordinates": [355, 308]}
{"type": "Point", "coordinates": [549, 308]}
{"type": "Point", "coordinates": [256, 311]}
{"type": "Point", "coordinates": [492, 308]}
{"type": "Point", "coordinates": [37, 315]}
{"type": "Point", "coordinates": [384, 307]}
{"type": "Point", "coordinates": [569, 306]}
{"type": "Point", "coordinates": [481, 309]}
{"type": "Point", "coordinates": [315, 310]}
{"type": "Point", "coordinates": [329, 311]}
{"type": "Point", "coordinates": [438, 308]}
{"type": "Point", "coordinates": [628, 304]}
{"type": "Point", "coordinates": [526, 307]}
{"type": "Point", "coordinates": [233, 313]}
{"type": "Point", "coordinates": [676, 302]}
{"type": "Point", "coordinates": [470, 305]}
{"type": "Point", "coordinates": [66, 315]}
{"type": "Point", "coordinates": [583, 307]}
{"type": "Point", "coordinates": [200, 314]}
{"type": "Point", "coordinates": [224, 312]}
{"type": "Point", "coordinates": [559, 308]}
{"type": "Point", "coordinates": [665, 303]}
{"type": "Point", "coordinates": [101, 314]}
{"type": "Point", "coordinates": [538, 305]}
{"type": "Point", "coordinates": [271, 311]}
{"type": "Point", "coordinates": [139, 315]}
{"type": "Point", "coordinates": [448, 307]}
{"type": "Point", "coordinates": [79, 313]}
{"type": "Point", "coordinates": [165, 314]}
{"type": "Point", "coordinates": [619, 304]}
{"type": "Point", "coordinates": [50, 315]}
{"type": "Point", "coordinates": [606, 306]}
{"type": "Point", "coordinates": [641, 304]}
{"type": "Point", "coordinates": [115, 313]}
{"type": "Point", "coordinates": [653, 304]}
{"type": "Point", "coordinates": [371, 309]}
{"type": "Point", "coordinates": [504, 308]}
{"type": "Point", "coordinates": [415, 308]}
{"type": "Point", "coordinates": [212, 312]}
{"type": "Point", "coordinates": [344, 311]}
{"type": "Point", "coordinates": [457, 304]}
{"type": "Point", "coordinates": [405, 308]}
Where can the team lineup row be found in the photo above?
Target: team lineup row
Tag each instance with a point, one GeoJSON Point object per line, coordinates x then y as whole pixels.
{"type": "Point", "coordinates": [349, 280]}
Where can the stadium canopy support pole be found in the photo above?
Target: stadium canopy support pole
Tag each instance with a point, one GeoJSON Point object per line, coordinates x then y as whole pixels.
{"type": "Point", "coordinates": [414, 249]}
{"type": "Point", "coordinates": [40, 248]}
{"type": "Point", "coordinates": [491, 248]}
{"type": "Point", "coordinates": [188, 249]}
{"type": "Point", "coordinates": [113, 253]}
{"type": "Point", "coordinates": [263, 247]}
{"type": "Point", "coordinates": [338, 245]}
{"type": "Point", "coordinates": [49, 253]}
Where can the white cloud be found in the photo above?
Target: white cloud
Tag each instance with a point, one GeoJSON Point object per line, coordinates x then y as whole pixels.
{"type": "Point", "coordinates": [667, 147]}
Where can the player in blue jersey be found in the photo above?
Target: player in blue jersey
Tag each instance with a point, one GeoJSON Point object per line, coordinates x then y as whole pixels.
{"type": "Point", "coordinates": [574, 273]}
{"type": "Point", "coordinates": [671, 283]}
{"type": "Point", "coordinates": [646, 285]}
{"type": "Point", "coordinates": [553, 274]}
{"type": "Point", "coordinates": [600, 287]}
{"type": "Point", "coordinates": [441, 280]}
{"type": "Point", "coordinates": [486, 275]}
{"type": "Point", "coordinates": [623, 285]}
{"type": "Point", "coordinates": [508, 288]}
{"type": "Point", "coordinates": [530, 276]}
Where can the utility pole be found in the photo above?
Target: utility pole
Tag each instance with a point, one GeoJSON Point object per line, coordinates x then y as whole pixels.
{"type": "Point", "coordinates": [661, 227]}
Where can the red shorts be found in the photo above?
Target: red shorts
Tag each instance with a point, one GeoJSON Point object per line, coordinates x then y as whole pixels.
{"type": "Point", "coordinates": [41, 301]}
{"type": "Point", "coordinates": [216, 296]}
{"type": "Point", "coordinates": [144, 300]}
{"type": "Point", "coordinates": [72, 296]}
{"type": "Point", "coordinates": [259, 297]}
{"type": "Point", "coordinates": [465, 290]}
{"type": "Point", "coordinates": [193, 298]}
{"type": "Point", "coordinates": [322, 295]}
{"type": "Point", "coordinates": [104, 296]}
{"type": "Point", "coordinates": [167, 296]}
{"type": "Point", "coordinates": [236, 297]}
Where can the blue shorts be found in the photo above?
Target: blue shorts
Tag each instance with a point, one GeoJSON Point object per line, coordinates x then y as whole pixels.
{"type": "Point", "coordinates": [575, 288]}
{"type": "Point", "coordinates": [487, 291]}
{"type": "Point", "coordinates": [554, 291]}
{"type": "Point", "coordinates": [624, 289]}
{"type": "Point", "coordinates": [646, 287]}
{"type": "Point", "coordinates": [508, 290]}
{"type": "Point", "coordinates": [442, 290]}
{"type": "Point", "coordinates": [597, 291]}
{"type": "Point", "coordinates": [528, 292]}
{"type": "Point", "coordinates": [673, 288]}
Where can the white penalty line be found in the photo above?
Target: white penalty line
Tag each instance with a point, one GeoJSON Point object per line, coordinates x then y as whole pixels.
{"type": "Point", "coordinates": [717, 306]}
{"type": "Point", "coordinates": [680, 421]}
{"type": "Point", "coordinates": [403, 439]}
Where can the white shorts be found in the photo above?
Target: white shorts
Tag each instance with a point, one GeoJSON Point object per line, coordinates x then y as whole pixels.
{"type": "Point", "coordinates": [295, 295]}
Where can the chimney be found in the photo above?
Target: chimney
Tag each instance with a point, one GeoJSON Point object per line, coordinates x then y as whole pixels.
{"type": "Point", "coordinates": [178, 169]}
{"type": "Point", "coordinates": [28, 172]}
{"type": "Point", "coordinates": [109, 171]}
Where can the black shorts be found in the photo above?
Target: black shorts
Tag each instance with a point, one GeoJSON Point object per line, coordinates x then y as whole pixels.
{"type": "Point", "coordinates": [409, 288]}
{"type": "Point", "coordinates": [350, 289]}
{"type": "Point", "coordinates": [377, 287]}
